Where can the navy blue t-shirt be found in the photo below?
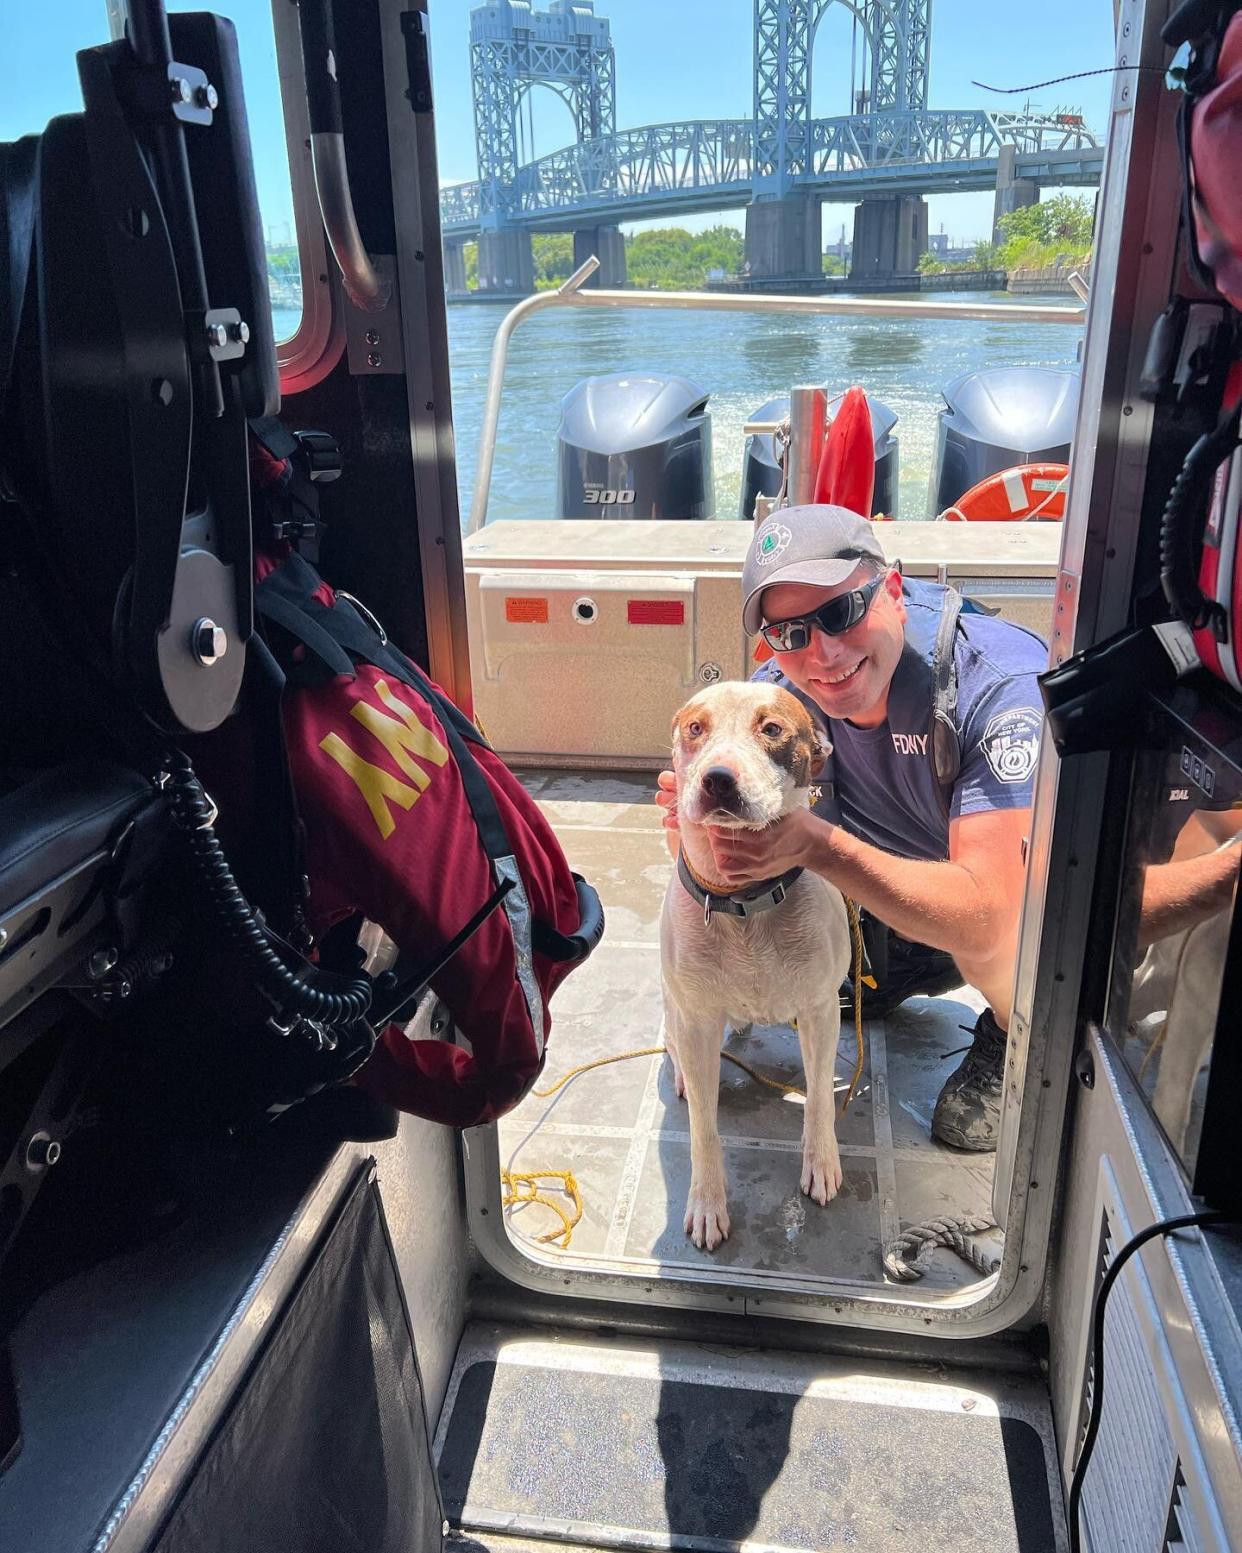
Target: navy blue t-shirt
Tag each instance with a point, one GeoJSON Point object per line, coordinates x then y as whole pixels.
{"type": "Point", "coordinates": [885, 784]}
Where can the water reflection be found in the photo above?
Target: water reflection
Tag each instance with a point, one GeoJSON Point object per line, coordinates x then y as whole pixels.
{"type": "Point", "coordinates": [784, 356]}
{"type": "Point", "coordinates": [869, 349]}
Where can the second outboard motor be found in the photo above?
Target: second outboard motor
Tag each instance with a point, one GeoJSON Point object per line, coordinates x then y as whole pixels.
{"type": "Point", "coordinates": [761, 473]}
{"type": "Point", "coordinates": [635, 445]}
{"type": "Point", "coordinates": [997, 419]}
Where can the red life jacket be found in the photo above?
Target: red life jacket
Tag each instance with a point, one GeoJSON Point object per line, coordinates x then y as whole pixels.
{"type": "Point", "coordinates": [414, 822]}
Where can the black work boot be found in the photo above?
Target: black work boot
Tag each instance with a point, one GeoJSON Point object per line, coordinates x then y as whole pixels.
{"type": "Point", "coordinates": [908, 970]}
{"type": "Point", "coordinates": [967, 1114]}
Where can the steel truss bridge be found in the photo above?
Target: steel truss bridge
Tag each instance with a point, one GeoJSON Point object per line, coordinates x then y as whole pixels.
{"type": "Point", "coordinates": [716, 164]}
{"type": "Point", "coordinates": [780, 162]}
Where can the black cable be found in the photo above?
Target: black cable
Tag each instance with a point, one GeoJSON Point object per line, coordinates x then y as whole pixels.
{"type": "Point", "coordinates": [1183, 521]}
{"type": "Point", "coordinates": [322, 996]}
{"type": "Point", "coordinates": [1096, 1356]}
{"type": "Point", "coordinates": [1078, 75]}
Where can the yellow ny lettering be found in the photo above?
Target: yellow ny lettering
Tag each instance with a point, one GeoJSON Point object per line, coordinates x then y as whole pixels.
{"type": "Point", "coordinates": [401, 739]}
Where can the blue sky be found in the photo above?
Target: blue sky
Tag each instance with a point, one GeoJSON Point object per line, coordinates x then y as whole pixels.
{"type": "Point", "coordinates": [676, 59]}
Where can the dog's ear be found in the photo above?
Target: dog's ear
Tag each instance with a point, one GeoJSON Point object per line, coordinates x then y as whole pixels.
{"type": "Point", "coordinates": [674, 732]}
{"type": "Point", "coordinates": [823, 749]}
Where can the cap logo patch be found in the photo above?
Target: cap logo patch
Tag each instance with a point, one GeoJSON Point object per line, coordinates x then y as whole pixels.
{"type": "Point", "coordinates": [771, 541]}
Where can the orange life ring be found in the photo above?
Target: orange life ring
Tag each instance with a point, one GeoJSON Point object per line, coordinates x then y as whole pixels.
{"type": "Point", "coordinates": [1029, 491]}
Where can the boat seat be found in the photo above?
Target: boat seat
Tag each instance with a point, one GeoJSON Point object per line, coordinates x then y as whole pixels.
{"type": "Point", "coordinates": [74, 842]}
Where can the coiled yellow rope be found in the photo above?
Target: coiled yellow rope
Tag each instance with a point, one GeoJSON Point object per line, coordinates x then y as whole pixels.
{"type": "Point", "coordinates": [522, 1186]}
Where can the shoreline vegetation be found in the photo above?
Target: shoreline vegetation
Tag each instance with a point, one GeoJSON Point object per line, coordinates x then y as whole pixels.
{"type": "Point", "coordinates": [1048, 239]}
{"type": "Point", "coordinates": [1054, 234]}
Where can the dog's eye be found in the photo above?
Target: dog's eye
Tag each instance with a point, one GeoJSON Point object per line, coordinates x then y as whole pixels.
{"type": "Point", "coordinates": [773, 730]}
{"type": "Point", "coordinates": [694, 729]}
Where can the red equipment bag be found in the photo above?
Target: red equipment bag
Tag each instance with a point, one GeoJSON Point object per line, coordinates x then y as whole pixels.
{"type": "Point", "coordinates": [1220, 566]}
{"type": "Point", "coordinates": [1200, 567]}
{"type": "Point", "coordinates": [414, 822]}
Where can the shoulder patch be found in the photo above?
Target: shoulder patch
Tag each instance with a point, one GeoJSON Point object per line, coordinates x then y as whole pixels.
{"type": "Point", "coordinates": [1010, 743]}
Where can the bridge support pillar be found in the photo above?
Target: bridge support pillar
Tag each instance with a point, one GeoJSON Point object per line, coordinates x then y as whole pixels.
{"type": "Point", "coordinates": [1012, 193]}
{"type": "Point", "coordinates": [890, 235]}
{"type": "Point", "coordinates": [608, 246]}
{"type": "Point", "coordinates": [454, 266]}
{"type": "Point", "coordinates": [783, 237]}
{"type": "Point", "coordinates": [506, 262]}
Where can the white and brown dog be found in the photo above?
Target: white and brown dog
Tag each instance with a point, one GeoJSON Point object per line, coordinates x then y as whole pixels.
{"type": "Point", "coordinates": [744, 755]}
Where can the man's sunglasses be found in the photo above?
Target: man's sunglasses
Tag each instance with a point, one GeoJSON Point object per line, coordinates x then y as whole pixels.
{"type": "Point", "coordinates": [833, 618]}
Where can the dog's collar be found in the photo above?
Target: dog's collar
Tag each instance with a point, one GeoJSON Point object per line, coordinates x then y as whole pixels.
{"type": "Point", "coordinates": [746, 903]}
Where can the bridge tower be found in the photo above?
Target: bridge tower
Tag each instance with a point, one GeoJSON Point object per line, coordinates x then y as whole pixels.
{"type": "Point", "coordinates": [513, 49]}
{"type": "Point", "coordinates": [782, 221]}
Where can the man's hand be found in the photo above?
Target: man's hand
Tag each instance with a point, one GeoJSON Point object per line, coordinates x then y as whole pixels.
{"type": "Point", "coordinates": [666, 797]}
{"type": "Point", "coordinates": [745, 857]}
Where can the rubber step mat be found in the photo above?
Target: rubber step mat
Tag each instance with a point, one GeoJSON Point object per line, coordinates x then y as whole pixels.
{"type": "Point", "coordinates": [696, 1458]}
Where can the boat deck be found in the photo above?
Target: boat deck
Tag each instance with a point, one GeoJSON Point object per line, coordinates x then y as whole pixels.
{"type": "Point", "coordinates": [623, 1132]}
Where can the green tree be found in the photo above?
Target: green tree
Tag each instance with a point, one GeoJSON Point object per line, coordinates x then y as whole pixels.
{"type": "Point", "coordinates": [672, 259]}
{"type": "Point", "coordinates": [1039, 234]}
{"type": "Point", "coordinates": [553, 254]}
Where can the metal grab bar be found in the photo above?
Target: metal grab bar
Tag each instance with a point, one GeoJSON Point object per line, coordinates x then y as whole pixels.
{"type": "Point", "coordinates": [365, 287]}
{"type": "Point", "coordinates": [569, 294]}
{"type": "Point", "coordinates": [368, 290]}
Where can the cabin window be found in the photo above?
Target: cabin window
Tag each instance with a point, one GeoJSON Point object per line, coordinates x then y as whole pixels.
{"type": "Point", "coordinates": [40, 85]}
{"type": "Point", "coordinates": [257, 41]}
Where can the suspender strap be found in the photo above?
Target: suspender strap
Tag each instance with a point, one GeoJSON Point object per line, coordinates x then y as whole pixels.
{"type": "Point", "coordinates": [943, 743]}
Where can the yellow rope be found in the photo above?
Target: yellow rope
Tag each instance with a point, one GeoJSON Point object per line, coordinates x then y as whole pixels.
{"type": "Point", "coordinates": [522, 1186]}
{"type": "Point", "coordinates": [1155, 1046]}
{"type": "Point", "coordinates": [856, 934]}
{"type": "Point", "coordinates": [600, 1062]}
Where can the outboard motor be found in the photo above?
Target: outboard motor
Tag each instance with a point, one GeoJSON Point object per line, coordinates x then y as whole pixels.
{"type": "Point", "coordinates": [761, 473]}
{"type": "Point", "coordinates": [999, 418]}
{"type": "Point", "coordinates": [635, 445]}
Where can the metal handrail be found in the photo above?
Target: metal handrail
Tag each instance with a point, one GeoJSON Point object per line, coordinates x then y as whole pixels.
{"type": "Point", "coordinates": [570, 294]}
{"type": "Point", "coordinates": [365, 287]}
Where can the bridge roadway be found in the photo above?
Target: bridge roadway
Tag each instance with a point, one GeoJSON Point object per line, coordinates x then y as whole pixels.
{"type": "Point", "coordinates": [705, 165]}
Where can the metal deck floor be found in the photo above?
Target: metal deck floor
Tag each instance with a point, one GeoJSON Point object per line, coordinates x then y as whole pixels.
{"type": "Point", "coordinates": [624, 1133]}
{"type": "Point", "coordinates": [556, 1438]}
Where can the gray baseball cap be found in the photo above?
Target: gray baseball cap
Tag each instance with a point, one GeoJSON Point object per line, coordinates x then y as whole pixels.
{"type": "Point", "coordinates": [819, 545]}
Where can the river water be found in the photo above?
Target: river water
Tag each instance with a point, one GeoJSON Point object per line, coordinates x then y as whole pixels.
{"type": "Point", "coordinates": [741, 360]}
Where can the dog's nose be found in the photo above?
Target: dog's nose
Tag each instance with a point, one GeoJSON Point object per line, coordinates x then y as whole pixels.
{"type": "Point", "coordinates": [719, 782]}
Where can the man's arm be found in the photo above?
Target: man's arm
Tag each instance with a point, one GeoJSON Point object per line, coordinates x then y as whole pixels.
{"type": "Point", "coordinates": [1183, 893]}
{"type": "Point", "coordinates": [968, 906]}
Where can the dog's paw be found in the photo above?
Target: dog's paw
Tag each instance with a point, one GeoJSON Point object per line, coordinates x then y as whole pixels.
{"type": "Point", "coordinates": [707, 1218]}
{"type": "Point", "coordinates": [821, 1173]}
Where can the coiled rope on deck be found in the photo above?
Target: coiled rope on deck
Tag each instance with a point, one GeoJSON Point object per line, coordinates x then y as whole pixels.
{"type": "Point", "coordinates": [523, 1186]}
{"type": "Point", "coordinates": [923, 1240]}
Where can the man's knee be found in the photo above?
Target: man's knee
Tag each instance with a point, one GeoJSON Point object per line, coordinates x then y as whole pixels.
{"type": "Point", "coordinates": [994, 979]}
